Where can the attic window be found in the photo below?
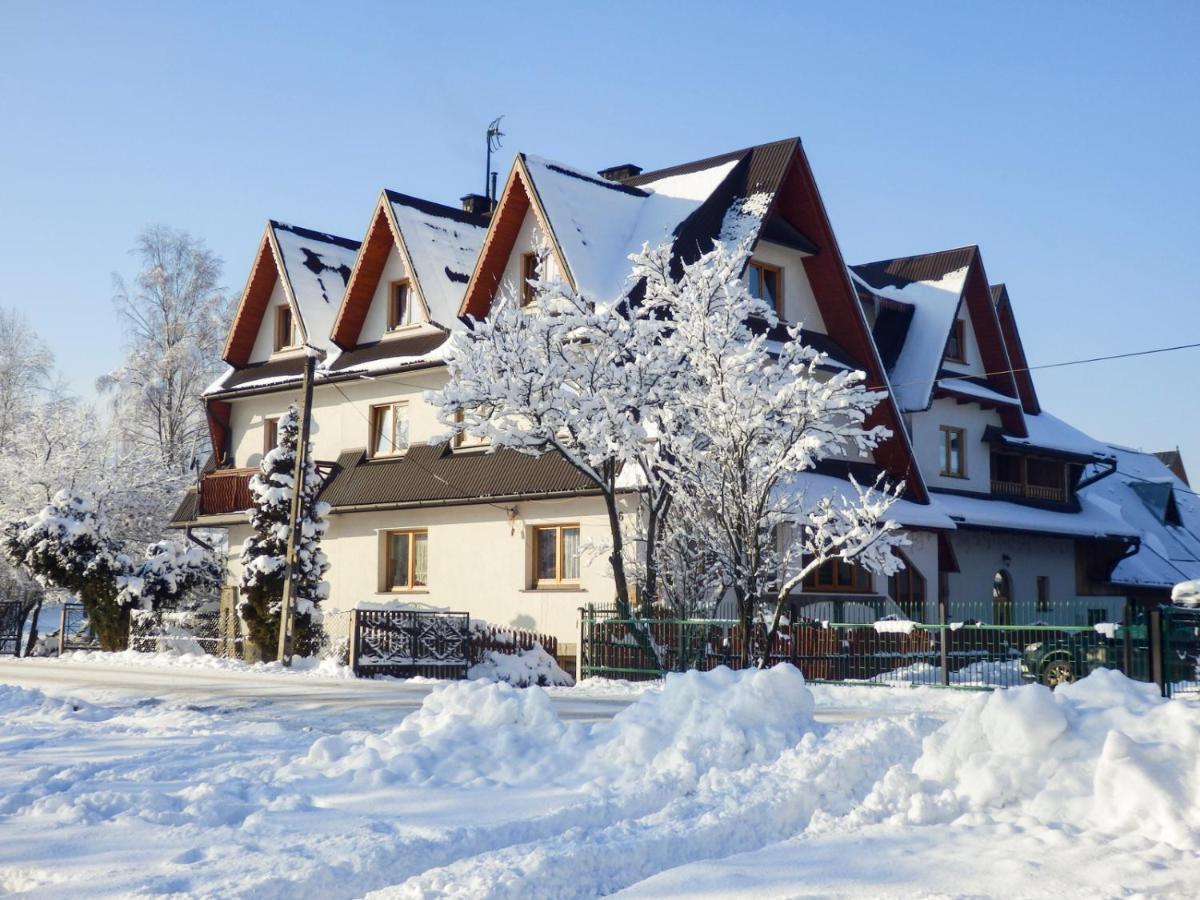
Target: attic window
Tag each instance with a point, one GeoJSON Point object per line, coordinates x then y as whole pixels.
{"type": "Point", "coordinates": [399, 305]}
{"type": "Point", "coordinates": [530, 271]}
{"type": "Point", "coordinates": [766, 283]}
{"type": "Point", "coordinates": [956, 347]}
{"type": "Point", "coordinates": [285, 329]}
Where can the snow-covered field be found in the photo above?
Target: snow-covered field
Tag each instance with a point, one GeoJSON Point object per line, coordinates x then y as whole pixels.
{"type": "Point", "coordinates": [713, 784]}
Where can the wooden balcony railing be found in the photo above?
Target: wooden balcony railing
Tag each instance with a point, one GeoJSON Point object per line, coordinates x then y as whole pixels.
{"type": "Point", "coordinates": [225, 491]}
{"type": "Point", "coordinates": [1029, 491]}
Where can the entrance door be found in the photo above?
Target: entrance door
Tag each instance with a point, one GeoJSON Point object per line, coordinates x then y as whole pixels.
{"type": "Point", "coordinates": [1002, 599]}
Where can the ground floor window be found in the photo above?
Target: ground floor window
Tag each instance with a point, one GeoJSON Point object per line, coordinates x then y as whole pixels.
{"type": "Point", "coordinates": [907, 588]}
{"type": "Point", "coordinates": [407, 560]}
{"type": "Point", "coordinates": [838, 575]}
{"type": "Point", "coordinates": [555, 555]}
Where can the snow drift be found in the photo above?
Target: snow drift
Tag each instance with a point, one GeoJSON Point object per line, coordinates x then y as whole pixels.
{"type": "Point", "coordinates": [476, 733]}
{"type": "Point", "coordinates": [1104, 754]}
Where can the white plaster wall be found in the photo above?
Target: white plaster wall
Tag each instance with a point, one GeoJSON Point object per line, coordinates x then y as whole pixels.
{"type": "Point", "coordinates": [340, 417]}
{"type": "Point", "coordinates": [479, 562]}
{"type": "Point", "coordinates": [375, 324]}
{"type": "Point", "coordinates": [510, 280]}
{"type": "Point", "coordinates": [974, 365]}
{"type": "Point", "coordinates": [264, 341]}
{"type": "Point", "coordinates": [981, 554]}
{"type": "Point", "coordinates": [799, 302]}
{"type": "Point", "coordinates": [927, 443]}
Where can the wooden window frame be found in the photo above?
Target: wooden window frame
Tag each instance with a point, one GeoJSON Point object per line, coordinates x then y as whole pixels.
{"type": "Point", "coordinates": [959, 332]}
{"type": "Point", "coordinates": [394, 319]}
{"type": "Point", "coordinates": [946, 431]}
{"type": "Point", "coordinates": [558, 582]}
{"type": "Point", "coordinates": [860, 582]}
{"type": "Point", "coordinates": [270, 433]}
{"type": "Point", "coordinates": [385, 576]}
{"type": "Point", "coordinates": [373, 437]}
{"type": "Point", "coordinates": [778, 271]}
{"type": "Point", "coordinates": [913, 576]}
{"type": "Point", "coordinates": [530, 266]}
{"type": "Point", "coordinates": [293, 334]}
{"type": "Point", "coordinates": [464, 441]}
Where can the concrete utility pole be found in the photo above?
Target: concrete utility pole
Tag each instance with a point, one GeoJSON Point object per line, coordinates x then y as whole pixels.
{"type": "Point", "coordinates": [294, 512]}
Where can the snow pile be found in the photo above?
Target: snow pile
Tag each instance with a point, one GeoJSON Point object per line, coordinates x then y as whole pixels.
{"type": "Point", "coordinates": [475, 734]}
{"type": "Point", "coordinates": [521, 669]}
{"type": "Point", "coordinates": [1105, 754]}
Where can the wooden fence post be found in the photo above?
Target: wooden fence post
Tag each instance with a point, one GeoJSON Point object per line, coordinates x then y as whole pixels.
{"type": "Point", "coordinates": [944, 648]}
{"type": "Point", "coordinates": [62, 629]}
{"type": "Point", "coordinates": [354, 641]}
{"type": "Point", "coordinates": [579, 651]}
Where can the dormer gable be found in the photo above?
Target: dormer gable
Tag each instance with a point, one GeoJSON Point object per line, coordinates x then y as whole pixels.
{"type": "Point", "coordinates": [591, 226]}
{"type": "Point", "coordinates": [416, 260]}
{"type": "Point", "coordinates": [1016, 349]}
{"type": "Point", "coordinates": [292, 294]}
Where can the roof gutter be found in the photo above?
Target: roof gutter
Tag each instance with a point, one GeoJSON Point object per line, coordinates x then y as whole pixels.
{"type": "Point", "coordinates": [333, 378]}
{"type": "Point", "coordinates": [1098, 476]}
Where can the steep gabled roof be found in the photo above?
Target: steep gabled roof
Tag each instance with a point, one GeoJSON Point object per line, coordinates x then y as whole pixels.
{"type": "Point", "coordinates": [1016, 349]}
{"type": "Point", "coordinates": [936, 285]}
{"type": "Point", "coordinates": [314, 268]}
{"type": "Point", "coordinates": [1173, 460]}
{"type": "Point", "coordinates": [593, 225]}
{"type": "Point", "coordinates": [438, 244]}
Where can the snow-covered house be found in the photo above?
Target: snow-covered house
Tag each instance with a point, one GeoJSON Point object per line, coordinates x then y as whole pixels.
{"type": "Point", "coordinates": [996, 491]}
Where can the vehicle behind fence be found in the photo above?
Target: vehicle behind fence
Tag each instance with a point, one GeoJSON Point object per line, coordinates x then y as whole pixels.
{"type": "Point", "coordinates": [1161, 645]}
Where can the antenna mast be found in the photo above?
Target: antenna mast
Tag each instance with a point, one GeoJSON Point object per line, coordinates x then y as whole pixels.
{"type": "Point", "coordinates": [489, 177]}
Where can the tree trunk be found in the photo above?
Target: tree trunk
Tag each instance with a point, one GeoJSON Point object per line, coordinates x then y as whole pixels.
{"type": "Point", "coordinates": [109, 622]}
{"type": "Point", "coordinates": [34, 615]}
{"type": "Point", "coordinates": [617, 560]}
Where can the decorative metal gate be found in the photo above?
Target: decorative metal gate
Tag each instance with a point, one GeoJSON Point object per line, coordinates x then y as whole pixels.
{"type": "Point", "coordinates": [405, 643]}
{"type": "Point", "coordinates": [10, 628]}
{"type": "Point", "coordinates": [75, 632]}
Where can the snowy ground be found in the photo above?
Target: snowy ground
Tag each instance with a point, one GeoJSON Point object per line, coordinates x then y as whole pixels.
{"type": "Point", "coordinates": [140, 776]}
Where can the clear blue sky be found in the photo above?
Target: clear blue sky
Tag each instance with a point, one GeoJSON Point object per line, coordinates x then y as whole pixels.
{"type": "Point", "coordinates": [1062, 138]}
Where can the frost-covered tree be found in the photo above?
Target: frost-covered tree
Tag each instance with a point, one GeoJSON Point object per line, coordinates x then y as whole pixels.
{"type": "Point", "coordinates": [175, 316]}
{"type": "Point", "coordinates": [168, 572]}
{"type": "Point", "coordinates": [573, 375]}
{"type": "Point", "coordinates": [264, 552]}
{"type": "Point", "coordinates": [26, 368]}
{"type": "Point", "coordinates": [67, 545]}
{"type": "Point", "coordinates": [748, 417]}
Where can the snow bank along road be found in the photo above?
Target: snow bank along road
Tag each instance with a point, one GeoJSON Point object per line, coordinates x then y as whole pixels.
{"type": "Point", "coordinates": [330, 690]}
{"type": "Point", "coordinates": [717, 784]}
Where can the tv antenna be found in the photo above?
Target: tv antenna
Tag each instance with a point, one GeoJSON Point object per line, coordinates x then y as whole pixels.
{"type": "Point", "coordinates": [489, 177]}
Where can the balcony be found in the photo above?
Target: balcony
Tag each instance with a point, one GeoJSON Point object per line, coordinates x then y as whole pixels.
{"type": "Point", "coordinates": [224, 491]}
{"type": "Point", "coordinates": [1019, 491]}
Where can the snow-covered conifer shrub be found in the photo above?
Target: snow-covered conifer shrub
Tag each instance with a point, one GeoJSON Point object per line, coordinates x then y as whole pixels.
{"type": "Point", "coordinates": [264, 552]}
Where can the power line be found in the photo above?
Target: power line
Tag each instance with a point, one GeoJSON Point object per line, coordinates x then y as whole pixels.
{"type": "Point", "coordinates": [1054, 365]}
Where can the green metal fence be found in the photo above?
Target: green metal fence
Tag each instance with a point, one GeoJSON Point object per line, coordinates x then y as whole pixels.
{"type": "Point", "coordinates": [951, 654]}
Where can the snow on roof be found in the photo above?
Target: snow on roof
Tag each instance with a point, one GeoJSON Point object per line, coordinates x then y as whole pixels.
{"type": "Point", "coordinates": [317, 267]}
{"type": "Point", "coordinates": [935, 305]}
{"type": "Point", "coordinates": [1169, 553]}
{"type": "Point", "coordinates": [905, 512]}
{"type": "Point", "coordinates": [1052, 433]}
{"type": "Point", "coordinates": [1091, 521]}
{"type": "Point", "coordinates": [598, 223]}
{"type": "Point", "coordinates": [972, 389]}
{"type": "Point", "coordinates": [443, 246]}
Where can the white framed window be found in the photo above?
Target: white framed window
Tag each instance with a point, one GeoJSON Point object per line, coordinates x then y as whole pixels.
{"type": "Point", "coordinates": [389, 429]}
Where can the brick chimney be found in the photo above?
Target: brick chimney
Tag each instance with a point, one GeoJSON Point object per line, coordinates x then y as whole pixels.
{"type": "Point", "coordinates": [623, 172]}
{"type": "Point", "coordinates": [477, 205]}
